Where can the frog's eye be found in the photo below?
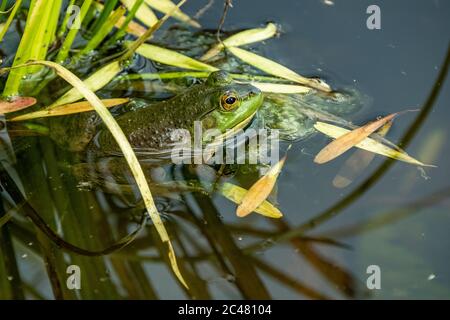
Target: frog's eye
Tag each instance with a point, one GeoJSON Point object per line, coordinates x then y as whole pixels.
{"type": "Point", "coordinates": [229, 101]}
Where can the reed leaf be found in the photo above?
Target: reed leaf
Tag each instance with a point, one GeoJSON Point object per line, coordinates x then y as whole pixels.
{"type": "Point", "coordinates": [357, 162]}
{"type": "Point", "coordinates": [33, 44]}
{"type": "Point", "coordinates": [342, 144]}
{"type": "Point", "coordinates": [281, 88]}
{"type": "Point", "coordinates": [106, 28]}
{"type": "Point", "coordinates": [242, 38]}
{"type": "Point", "coordinates": [67, 44]}
{"type": "Point", "coordinates": [276, 69]}
{"type": "Point", "coordinates": [166, 6]}
{"type": "Point", "coordinates": [94, 82]}
{"type": "Point", "coordinates": [143, 13]}
{"type": "Point", "coordinates": [236, 194]}
{"type": "Point", "coordinates": [106, 74]}
{"type": "Point", "coordinates": [259, 191]}
{"type": "Point", "coordinates": [78, 107]}
{"type": "Point", "coordinates": [128, 25]}
{"type": "Point", "coordinates": [105, 15]}
{"type": "Point", "coordinates": [172, 58]}
{"type": "Point", "coordinates": [368, 144]}
{"type": "Point", "coordinates": [4, 27]}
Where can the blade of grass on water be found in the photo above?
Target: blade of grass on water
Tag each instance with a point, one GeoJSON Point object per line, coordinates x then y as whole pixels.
{"type": "Point", "coordinates": [166, 6]}
{"type": "Point", "coordinates": [68, 41]}
{"type": "Point", "coordinates": [242, 38]}
{"type": "Point", "coordinates": [128, 153]}
{"type": "Point", "coordinates": [276, 69]}
{"type": "Point", "coordinates": [357, 162]}
{"type": "Point", "coordinates": [259, 191]}
{"type": "Point", "coordinates": [78, 107]}
{"type": "Point", "coordinates": [106, 28]}
{"type": "Point", "coordinates": [4, 27]}
{"type": "Point", "coordinates": [143, 13]}
{"type": "Point", "coordinates": [172, 58]}
{"type": "Point", "coordinates": [368, 144]}
{"type": "Point", "coordinates": [104, 16]}
{"type": "Point", "coordinates": [128, 25]}
{"type": "Point", "coordinates": [236, 194]}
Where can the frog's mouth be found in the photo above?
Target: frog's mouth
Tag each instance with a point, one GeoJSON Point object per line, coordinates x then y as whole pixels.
{"type": "Point", "coordinates": [231, 132]}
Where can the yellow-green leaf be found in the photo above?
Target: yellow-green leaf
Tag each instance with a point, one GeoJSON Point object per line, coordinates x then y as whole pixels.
{"type": "Point", "coordinates": [357, 162]}
{"type": "Point", "coordinates": [242, 38]}
{"type": "Point", "coordinates": [144, 13]}
{"type": "Point", "coordinates": [260, 190]}
{"type": "Point", "coordinates": [276, 69]}
{"type": "Point", "coordinates": [165, 6]}
{"type": "Point", "coordinates": [172, 58]}
{"type": "Point", "coordinates": [132, 28]}
{"type": "Point", "coordinates": [94, 82]}
{"type": "Point", "coordinates": [345, 142]}
{"type": "Point", "coordinates": [236, 194]}
{"type": "Point", "coordinates": [77, 107]}
{"type": "Point", "coordinates": [280, 88]}
{"type": "Point", "coordinates": [368, 144]}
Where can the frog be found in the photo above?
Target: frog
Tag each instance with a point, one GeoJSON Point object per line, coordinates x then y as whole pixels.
{"type": "Point", "coordinates": [218, 103]}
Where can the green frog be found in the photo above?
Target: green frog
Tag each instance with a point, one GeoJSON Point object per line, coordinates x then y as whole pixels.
{"type": "Point", "coordinates": [219, 103]}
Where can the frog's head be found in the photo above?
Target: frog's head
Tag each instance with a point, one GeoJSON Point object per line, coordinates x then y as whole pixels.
{"type": "Point", "coordinates": [233, 103]}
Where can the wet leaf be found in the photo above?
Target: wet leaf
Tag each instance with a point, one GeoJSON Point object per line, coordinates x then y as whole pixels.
{"type": "Point", "coordinates": [242, 38]}
{"type": "Point", "coordinates": [172, 58]}
{"type": "Point", "coordinates": [67, 109]}
{"type": "Point", "coordinates": [165, 6]}
{"type": "Point", "coordinates": [259, 192]}
{"type": "Point", "coordinates": [337, 147]}
{"type": "Point", "coordinates": [144, 13]}
{"type": "Point", "coordinates": [16, 104]}
{"type": "Point", "coordinates": [236, 194]}
{"type": "Point", "coordinates": [94, 82]}
{"type": "Point", "coordinates": [368, 144]}
{"type": "Point", "coordinates": [357, 162]}
{"type": "Point", "coordinates": [280, 88]}
{"type": "Point", "coordinates": [276, 69]}
{"type": "Point", "coordinates": [132, 28]}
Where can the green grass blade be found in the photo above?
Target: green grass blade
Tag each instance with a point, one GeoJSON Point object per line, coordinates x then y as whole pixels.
{"type": "Point", "coordinates": [67, 44]}
{"type": "Point", "coordinates": [104, 31]}
{"type": "Point", "coordinates": [130, 16]}
{"type": "Point", "coordinates": [5, 27]}
{"type": "Point", "coordinates": [104, 16]}
{"type": "Point", "coordinates": [143, 13]}
{"type": "Point", "coordinates": [63, 26]}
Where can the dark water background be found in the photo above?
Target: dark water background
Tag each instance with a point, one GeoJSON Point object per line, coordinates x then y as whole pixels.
{"type": "Point", "coordinates": [399, 223]}
{"type": "Point", "coordinates": [397, 67]}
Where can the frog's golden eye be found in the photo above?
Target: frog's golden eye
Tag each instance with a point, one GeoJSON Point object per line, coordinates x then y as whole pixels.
{"type": "Point", "coordinates": [229, 101]}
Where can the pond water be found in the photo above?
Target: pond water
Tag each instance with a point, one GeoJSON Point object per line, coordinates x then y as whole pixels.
{"type": "Point", "coordinates": [332, 243]}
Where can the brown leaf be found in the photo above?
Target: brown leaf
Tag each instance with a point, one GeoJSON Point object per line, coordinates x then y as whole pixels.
{"type": "Point", "coordinates": [350, 139]}
{"type": "Point", "coordinates": [66, 109]}
{"type": "Point", "coordinates": [260, 190]}
{"type": "Point", "coordinates": [358, 161]}
{"type": "Point", "coordinates": [16, 104]}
